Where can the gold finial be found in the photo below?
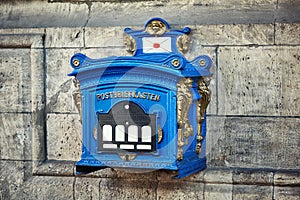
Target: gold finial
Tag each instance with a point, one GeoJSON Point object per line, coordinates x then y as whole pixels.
{"type": "Point", "coordinates": [156, 27]}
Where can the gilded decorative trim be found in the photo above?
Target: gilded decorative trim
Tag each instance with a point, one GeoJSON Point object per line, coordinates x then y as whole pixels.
{"type": "Point", "coordinates": [130, 44]}
{"type": "Point", "coordinates": [77, 97]}
{"type": "Point", "coordinates": [156, 27]}
{"type": "Point", "coordinates": [183, 43]}
{"type": "Point", "coordinates": [160, 134]}
{"type": "Point", "coordinates": [184, 101]}
{"type": "Point", "coordinates": [201, 108]}
{"type": "Point", "coordinates": [127, 156]}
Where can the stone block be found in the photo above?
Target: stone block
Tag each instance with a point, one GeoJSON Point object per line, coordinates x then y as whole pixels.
{"type": "Point", "coordinates": [251, 177]}
{"type": "Point", "coordinates": [218, 176]}
{"type": "Point", "coordinates": [249, 81]}
{"type": "Point", "coordinates": [218, 191]}
{"type": "Point", "coordinates": [46, 187]}
{"type": "Point", "coordinates": [87, 188]}
{"type": "Point", "coordinates": [166, 175]}
{"type": "Point", "coordinates": [63, 137]}
{"type": "Point", "coordinates": [43, 14]}
{"type": "Point", "coordinates": [15, 80]}
{"type": "Point", "coordinates": [287, 33]}
{"type": "Point", "coordinates": [64, 37]}
{"type": "Point", "coordinates": [96, 53]}
{"type": "Point", "coordinates": [22, 31]}
{"type": "Point", "coordinates": [54, 168]}
{"type": "Point", "coordinates": [20, 40]}
{"type": "Point", "coordinates": [234, 34]}
{"type": "Point", "coordinates": [286, 193]}
{"type": "Point", "coordinates": [59, 85]}
{"type": "Point", "coordinates": [287, 11]}
{"type": "Point", "coordinates": [104, 37]}
{"type": "Point", "coordinates": [179, 189]}
{"type": "Point", "coordinates": [287, 179]}
{"type": "Point", "coordinates": [250, 192]}
{"type": "Point", "coordinates": [289, 61]}
{"type": "Point", "coordinates": [15, 137]}
{"type": "Point", "coordinates": [256, 143]}
{"type": "Point", "coordinates": [237, 3]}
{"type": "Point", "coordinates": [128, 189]}
{"type": "Point", "coordinates": [12, 175]}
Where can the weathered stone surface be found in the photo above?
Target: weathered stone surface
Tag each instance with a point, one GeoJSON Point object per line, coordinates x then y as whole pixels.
{"type": "Point", "coordinates": [289, 60]}
{"type": "Point", "coordinates": [15, 80]}
{"type": "Point", "coordinates": [58, 84]}
{"type": "Point", "coordinates": [87, 188]}
{"type": "Point", "coordinates": [166, 175]}
{"type": "Point", "coordinates": [257, 177]}
{"type": "Point", "coordinates": [287, 11]}
{"type": "Point", "coordinates": [64, 37]}
{"type": "Point", "coordinates": [20, 40]}
{"type": "Point", "coordinates": [128, 189]}
{"type": "Point", "coordinates": [54, 168]}
{"type": "Point", "coordinates": [287, 179]}
{"type": "Point", "coordinates": [104, 37]}
{"type": "Point", "coordinates": [218, 176]}
{"type": "Point", "coordinates": [249, 81]}
{"type": "Point", "coordinates": [237, 34]}
{"type": "Point", "coordinates": [287, 33]}
{"type": "Point", "coordinates": [63, 137]}
{"type": "Point", "coordinates": [180, 190]}
{"type": "Point", "coordinates": [252, 192]}
{"type": "Point", "coordinates": [256, 143]}
{"type": "Point", "coordinates": [42, 14]}
{"type": "Point", "coordinates": [286, 193]}
{"type": "Point", "coordinates": [12, 175]}
{"type": "Point", "coordinates": [22, 31]}
{"type": "Point", "coordinates": [15, 137]}
{"type": "Point", "coordinates": [218, 191]}
{"type": "Point", "coordinates": [46, 187]}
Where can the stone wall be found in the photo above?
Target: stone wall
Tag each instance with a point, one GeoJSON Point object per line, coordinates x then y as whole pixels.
{"type": "Point", "coordinates": [253, 139]}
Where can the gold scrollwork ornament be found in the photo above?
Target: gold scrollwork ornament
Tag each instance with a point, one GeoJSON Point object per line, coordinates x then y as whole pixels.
{"type": "Point", "coordinates": [184, 101]}
{"type": "Point", "coordinates": [201, 108]}
{"type": "Point", "coordinates": [183, 43]}
{"type": "Point", "coordinates": [130, 44]}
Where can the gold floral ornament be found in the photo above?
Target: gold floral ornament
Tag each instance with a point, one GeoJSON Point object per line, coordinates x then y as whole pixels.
{"type": "Point", "coordinates": [130, 44]}
{"type": "Point", "coordinates": [156, 27]}
{"type": "Point", "coordinates": [183, 43]}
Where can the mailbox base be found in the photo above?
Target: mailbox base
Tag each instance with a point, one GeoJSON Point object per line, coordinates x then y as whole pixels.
{"type": "Point", "coordinates": [182, 168]}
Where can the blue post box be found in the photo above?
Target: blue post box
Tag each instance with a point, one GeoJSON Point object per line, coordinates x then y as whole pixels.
{"type": "Point", "coordinates": [145, 111]}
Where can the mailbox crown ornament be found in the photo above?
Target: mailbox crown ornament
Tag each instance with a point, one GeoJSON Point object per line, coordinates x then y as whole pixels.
{"type": "Point", "coordinates": [145, 111]}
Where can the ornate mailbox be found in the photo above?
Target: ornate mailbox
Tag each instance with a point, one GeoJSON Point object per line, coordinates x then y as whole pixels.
{"type": "Point", "coordinates": [144, 111]}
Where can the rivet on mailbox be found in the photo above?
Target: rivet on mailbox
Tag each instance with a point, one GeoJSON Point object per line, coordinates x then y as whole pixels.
{"type": "Point", "coordinates": [145, 111]}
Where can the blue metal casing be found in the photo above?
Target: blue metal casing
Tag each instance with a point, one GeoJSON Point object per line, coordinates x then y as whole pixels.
{"type": "Point", "coordinates": [148, 80]}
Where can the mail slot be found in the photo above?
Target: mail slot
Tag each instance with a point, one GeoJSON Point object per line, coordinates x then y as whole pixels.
{"type": "Point", "coordinates": [145, 111]}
